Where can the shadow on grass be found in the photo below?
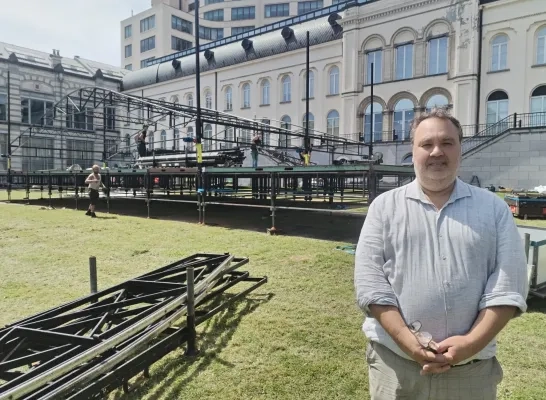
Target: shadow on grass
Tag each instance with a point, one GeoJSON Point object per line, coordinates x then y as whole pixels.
{"type": "Point", "coordinates": [302, 223]}
{"type": "Point", "coordinates": [536, 305]}
{"type": "Point", "coordinates": [214, 335]}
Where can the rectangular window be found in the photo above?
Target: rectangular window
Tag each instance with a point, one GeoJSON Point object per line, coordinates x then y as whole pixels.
{"type": "Point", "coordinates": [128, 50]}
{"type": "Point", "coordinates": [241, 29]}
{"type": "Point", "coordinates": [3, 107]}
{"type": "Point", "coordinates": [437, 56]}
{"type": "Point", "coordinates": [239, 13]}
{"type": "Point", "coordinates": [207, 2]}
{"type": "Point", "coordinates": [404, 61]}
{"type": "Point", "coordinates": [129, 67]}
{"type": "Point", "coordinates": [308, 6]}
{"type": "Point", "coordinates": [277, 10]}
{"type": "Point", "coordinates": [147, 23]}
{"type": "Point", "coordinates": [79, 120]}
{"type": "Point", "coordinates": [111, 147]}
{"type": "Point", "coordinates": [181, 25]}
{"type": "Point", "coordinates": [79, 152]}
{"type": "Point", "coordinates": [211, 33]}
{"type": "Point", "coordinates": [37, 112]}
{"type": "Point", "coordinates": [110, 118]}
{"type": "Point", "coordinates": [375, 57]}
{"type": "Point", "coordinates": [147, 44]}
{"type": "Point", "coordinates": [128, 31]}
{"type": "Point", "coordinates": [180, 44]}
{"type": "Point", "coordinates": [144, 63]}
{"type": "Point", "coordinates": [215, 15]}
{"type": "Point", "coordinates": [38, 154]}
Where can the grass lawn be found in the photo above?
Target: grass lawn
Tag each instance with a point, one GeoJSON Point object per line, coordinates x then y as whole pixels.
{"type": "Point", "coordinates": [297, 337]}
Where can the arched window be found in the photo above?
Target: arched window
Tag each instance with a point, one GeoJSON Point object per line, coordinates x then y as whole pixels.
{"type": "Point", "coordinates": [333, 78]}
{"type": "Point", "coordinates": [284, 138]}
{"type": "Point", "coordinates": [541, 46]}
{"type": "Point", "coordinates": [332, 123]}
{"type": "Point", "coordinates": [189, 133]}
{"type": "Point", "coordinates": [190, 100]}
{"type": "Point", "coordinates": [538, 106]}
{"type": "Point", "coordinates": [207, 136]}
{"type": "Point", "coordinates": [246, 95]}
{"type": "Point", "coordinates": [403, 116]}
{"type": "Point", "coordinates": [436, 101]}
{"type": "Point", "coordinates": [176, 144]}
{"type": "Point", "coordinates": [497, 106]}
{"type": "Point", "coordinates": [499, 52]}
{"type": "Point", "coordinates": [208, 99]}
{"type": "Point", "coordinates": [163, 143]}
{"type": "Point", "coordinates": [311, 85]}
{"type": "Point", "coordinates": [407, 159]}
{"type": "Point", "coordinates": [286, 89]}
{"type": "Point", "coordinates": [265, 92]}
{"type": "Point", "coordinates": [376, 121]}
{"type": "Point", "coordinates": [229, 137]}
{"type": "Point", "coordinates": [229, 98]}
{"type": "Point", "coordinates": [311, 123]}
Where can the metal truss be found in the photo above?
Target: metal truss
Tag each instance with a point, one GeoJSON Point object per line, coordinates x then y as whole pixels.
{"type": "Point", "coordinates": [131, 111]}
{"type": "Point", "coordinates": [95, 344]}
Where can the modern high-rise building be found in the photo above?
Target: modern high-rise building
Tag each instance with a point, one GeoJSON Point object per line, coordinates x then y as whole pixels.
{"type": "Point", "coordinates": [168, 26]}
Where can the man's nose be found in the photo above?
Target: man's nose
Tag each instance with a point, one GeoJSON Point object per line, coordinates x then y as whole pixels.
{"type": "Point", "coordinates": [436, 151]}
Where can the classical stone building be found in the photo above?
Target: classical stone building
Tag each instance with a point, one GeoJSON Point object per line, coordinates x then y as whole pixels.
{"type": "Point", "coordinates": [38, 81]}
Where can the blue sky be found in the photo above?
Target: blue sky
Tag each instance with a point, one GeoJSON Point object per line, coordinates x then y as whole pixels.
{"type": "Point", "coordinates": [87, 28]}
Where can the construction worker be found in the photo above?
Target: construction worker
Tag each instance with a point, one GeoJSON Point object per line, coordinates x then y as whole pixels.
{"type": "Point", "coordinates": [256, 141]}
{"type": "Point", "coordinates": [140, 139]}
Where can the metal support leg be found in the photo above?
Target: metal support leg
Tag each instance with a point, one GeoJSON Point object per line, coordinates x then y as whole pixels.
{"type": "Point", "coordinates": [93, 274]}
{"type": "Point", "coordinates": [191, 350]}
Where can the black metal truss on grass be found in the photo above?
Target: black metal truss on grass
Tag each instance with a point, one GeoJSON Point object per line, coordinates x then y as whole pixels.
{"type": "Point", "coordinates": [96, 343]}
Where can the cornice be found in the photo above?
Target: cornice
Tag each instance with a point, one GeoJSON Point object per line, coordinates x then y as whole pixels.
{"type": "Point", "coordinates": [361, 17]}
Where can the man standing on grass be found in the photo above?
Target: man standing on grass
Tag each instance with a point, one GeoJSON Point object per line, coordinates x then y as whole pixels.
{"type": "Point", "coordinates": [94, 181]}
{"type": "Point", "coordinates": [440, 270]}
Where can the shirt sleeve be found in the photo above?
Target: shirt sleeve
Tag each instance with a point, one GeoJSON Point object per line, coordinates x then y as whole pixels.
{"type": "Point", "coordinates": [508, 285]}
{"type": "Point", "coordinates": [371, 284]}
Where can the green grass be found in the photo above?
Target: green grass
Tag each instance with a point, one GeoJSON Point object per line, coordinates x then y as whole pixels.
{"type": "Point", "coordinates": [297, 337]}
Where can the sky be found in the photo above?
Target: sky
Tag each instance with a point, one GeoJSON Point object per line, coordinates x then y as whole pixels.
{"type": "Point", "coordinates": [87, 28]}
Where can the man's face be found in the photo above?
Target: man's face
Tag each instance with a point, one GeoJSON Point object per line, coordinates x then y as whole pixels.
{"type": "Point", "coordinates": [436, 153]}
{"type": "Point", "coordinates": [95, 170]}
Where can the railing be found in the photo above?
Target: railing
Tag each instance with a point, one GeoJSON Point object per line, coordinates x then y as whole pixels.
{"type": "Point", "coordinates": [263, 29]}
{"type": "Point", "coordinates": [513, 121]}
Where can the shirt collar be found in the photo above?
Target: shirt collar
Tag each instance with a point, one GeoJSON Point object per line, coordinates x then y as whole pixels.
{"type": "Point", "coordinates": [460, 190]}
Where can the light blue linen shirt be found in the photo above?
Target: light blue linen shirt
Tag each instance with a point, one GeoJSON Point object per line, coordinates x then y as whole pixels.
{"type": "Point", "coordinates": [439, 267]}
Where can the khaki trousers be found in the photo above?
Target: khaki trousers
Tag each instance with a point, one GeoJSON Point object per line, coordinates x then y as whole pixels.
{"type": "Point", "coordinates": [392, 377]}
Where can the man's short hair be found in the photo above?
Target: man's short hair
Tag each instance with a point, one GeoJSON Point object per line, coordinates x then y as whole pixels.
{"type": "Point", "coordinates": [441, 113]}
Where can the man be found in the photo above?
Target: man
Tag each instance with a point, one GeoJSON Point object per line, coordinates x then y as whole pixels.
{"type": "Point", "coordinates": [443, 258]}
{"type": "Point", "coordinates": [140, 139]}
{"type": "Point", "coordinates": [94, 181]}
{"type": "Point", "coordinates": [256, 141]}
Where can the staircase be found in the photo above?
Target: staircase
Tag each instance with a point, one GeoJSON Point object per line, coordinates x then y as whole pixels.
{"type": "Point", "coordinates": [491, 132]}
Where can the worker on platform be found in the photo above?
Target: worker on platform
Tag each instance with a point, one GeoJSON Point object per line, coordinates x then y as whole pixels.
{"type": "Point", "coordinates": [140, 139]}
{"type": "Point", "coordinates": [94, 181]}
{"type": "Point", "coordinates": [256, 141]}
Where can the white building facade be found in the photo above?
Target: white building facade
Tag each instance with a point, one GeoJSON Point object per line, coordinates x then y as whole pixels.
{"type": "Point", "coordinates": [168, 26]}
{"type": "Point", "coordinates": [483, 60]}
{"type": "Point", "coordinates": [41, 139]}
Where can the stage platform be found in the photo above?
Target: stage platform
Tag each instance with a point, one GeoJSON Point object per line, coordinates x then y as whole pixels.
{"type": "Point", "coordinates": [339, 188]}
